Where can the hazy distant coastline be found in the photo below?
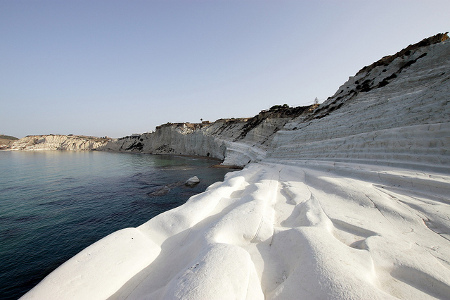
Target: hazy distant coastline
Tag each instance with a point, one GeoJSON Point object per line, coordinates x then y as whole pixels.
{"type": "Point", "coordinates": [56, 142]}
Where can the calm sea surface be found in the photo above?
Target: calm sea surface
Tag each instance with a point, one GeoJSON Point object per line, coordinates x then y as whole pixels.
{"type": "Point", "coordinates": [53, 204]}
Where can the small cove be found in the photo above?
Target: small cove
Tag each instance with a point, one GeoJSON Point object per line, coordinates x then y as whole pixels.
{"type": "Point", "coordinates": [53, 204]}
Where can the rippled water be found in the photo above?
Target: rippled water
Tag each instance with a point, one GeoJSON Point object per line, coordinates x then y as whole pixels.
{"type": "Point", "coordinates": [53, 204]}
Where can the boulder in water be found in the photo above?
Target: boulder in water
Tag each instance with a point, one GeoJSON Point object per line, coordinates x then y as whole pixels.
{"type": "Point", "coordinates": [192, 181]}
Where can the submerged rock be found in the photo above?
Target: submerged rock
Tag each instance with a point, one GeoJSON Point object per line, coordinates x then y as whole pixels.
{"type": "Point", "coordinates": [165, 189]}
{"type": "Point", "coordinates": [160, 192]}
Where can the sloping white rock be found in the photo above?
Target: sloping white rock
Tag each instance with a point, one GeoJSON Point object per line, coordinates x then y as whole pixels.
{"type": "Point", "coordinates": [313, 230]}
{"type": "Point", "coordinates": [97, 271]}
{"type": "Point", "coordinates": [407, 121]}
{"type": "Point", "coordinates": [352, 204]}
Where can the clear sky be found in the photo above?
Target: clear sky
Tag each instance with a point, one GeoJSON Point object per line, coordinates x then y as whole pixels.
{"type": "Point", "coordinates": [120, 67]}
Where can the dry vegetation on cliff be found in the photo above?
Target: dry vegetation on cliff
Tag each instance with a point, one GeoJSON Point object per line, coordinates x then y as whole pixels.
{"type": "Point", "coordinates": [6, 141]}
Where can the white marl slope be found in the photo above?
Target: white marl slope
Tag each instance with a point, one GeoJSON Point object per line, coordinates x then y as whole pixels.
{"type": "Point", "coordinates": [236, 141]}
{"type": "Point", "coordinates": [406, 121]}
{"type": "Point", "coordinates": [351, 203]}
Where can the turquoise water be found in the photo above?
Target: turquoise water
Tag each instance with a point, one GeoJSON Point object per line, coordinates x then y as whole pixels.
{"type": "Point", "coordinates": [53, 204]}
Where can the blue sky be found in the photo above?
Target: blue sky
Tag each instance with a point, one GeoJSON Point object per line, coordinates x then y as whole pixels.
{"type": "Point", "coordinates": [120, 67]}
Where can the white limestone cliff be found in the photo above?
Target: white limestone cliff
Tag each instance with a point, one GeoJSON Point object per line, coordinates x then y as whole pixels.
{"type": "Point", "coordinates": [236, 141]}
{"type": "Point", "coordinates": [386, 99]}
{"type": "Point", "coordinates": [350, 201]}
{"type": "Point", "coordinates": [404, 121]}
{"type": "Point", "coordinates": [58, 142]}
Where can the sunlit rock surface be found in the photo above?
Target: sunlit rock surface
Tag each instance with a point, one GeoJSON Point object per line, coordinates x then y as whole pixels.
{"type": "Point", "coordinates": [350, 201]}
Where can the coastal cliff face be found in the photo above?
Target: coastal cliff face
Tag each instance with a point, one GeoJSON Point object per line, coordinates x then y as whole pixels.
{"type": "Point", "coordinates": [349, 201]}
{"type": "Point", "coordinates": [403, 95]}
{"type": "Point", "coordinates": [6, 141]}
{"type": "Point", "coordinates": [236, 141]}
{"type": "Point", "coordinates": [58, 142]}
{"type": "Point", "coordinates": [396, 109]}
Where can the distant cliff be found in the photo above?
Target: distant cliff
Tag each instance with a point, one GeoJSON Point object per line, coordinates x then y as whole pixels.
{"type": "Point", "coordinates": [58, 142]}
{"type": "Point", "coordinates": [236, 141]}
{"type": "Point", "coordinates": [6, 141]}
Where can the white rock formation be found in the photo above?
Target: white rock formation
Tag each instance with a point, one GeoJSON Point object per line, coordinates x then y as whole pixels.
{"type": "Point", "coordinates": [405, 121]}
{"type": "Point", "coordinates": [192, 181]}
{"type": "Point", "coordinates": [350, 202]}
{"type": "Point", "coordinates": [236, 141]}
{"type": "Point", "coordinates": [58, 142]}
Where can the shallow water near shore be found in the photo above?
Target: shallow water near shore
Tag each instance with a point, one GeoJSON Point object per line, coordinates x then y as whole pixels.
{"type": "Point", "coordinates": [53, 204]}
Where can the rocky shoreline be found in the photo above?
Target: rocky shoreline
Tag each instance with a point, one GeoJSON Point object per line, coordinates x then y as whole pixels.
{"type": "Point", "coordinates": [347, 200]}
{"type": "Point", "coordinates": [240, 141]}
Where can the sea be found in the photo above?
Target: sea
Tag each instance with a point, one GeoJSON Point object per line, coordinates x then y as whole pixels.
{"type": "Point", "coordinates": [53, 204]}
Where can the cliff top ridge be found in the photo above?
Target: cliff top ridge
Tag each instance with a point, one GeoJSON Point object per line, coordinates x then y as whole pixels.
{"type": "Point", "coordinates": [386, 60]}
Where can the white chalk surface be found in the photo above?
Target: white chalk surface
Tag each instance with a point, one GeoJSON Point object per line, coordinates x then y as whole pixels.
{"type": "Point", "coordinates": [354, 205]}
